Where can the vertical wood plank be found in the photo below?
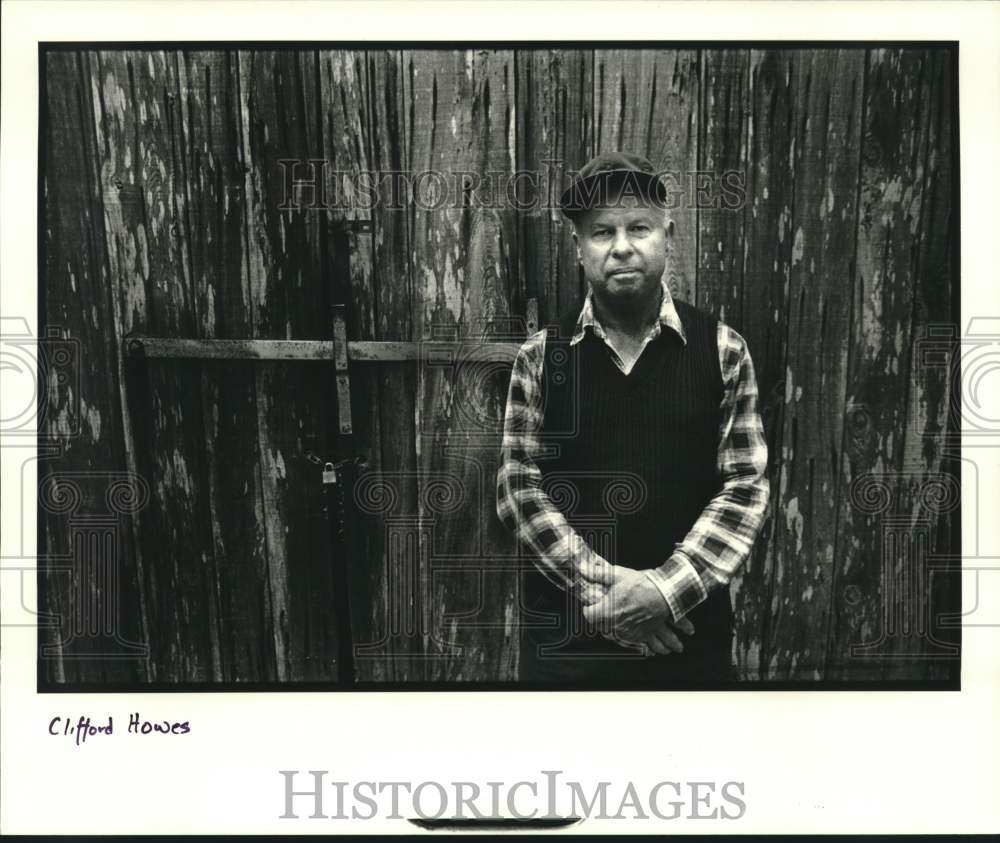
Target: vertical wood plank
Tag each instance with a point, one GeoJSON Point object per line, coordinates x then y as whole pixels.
{"type": "Point", "coordinates": [289, 299]}
{"type": "Point", "coordinates": [827, 119]}
{"type": "Point", "coordinates": [138, 115]}
{"type": "Point", "coordinates": [347, 123]}
{"type": "Point", "coordinates": [723, 122]}
{"type": "Point", "coordinates": [213, 162]}
{"type": "Point", "coordinates": [393, 652]}
{"type": "Point", "coordinates": [929, 492]}
{"type": "Point", "coordinates": [646, 101]}
{"type": "Point", "coordinates": [555, 136]}
{"type": "Point", "coordinates": [82, 413]}
{"type": "Point", "coordinates": [463, 266]}
{"type": "Point", "coordinates": [892, 197]}
{"type": "Point", "coordinates": [767, 270]}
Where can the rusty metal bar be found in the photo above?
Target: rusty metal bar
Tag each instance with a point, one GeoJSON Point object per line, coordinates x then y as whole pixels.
{"type": "Point", "coordinates": [358, 351]}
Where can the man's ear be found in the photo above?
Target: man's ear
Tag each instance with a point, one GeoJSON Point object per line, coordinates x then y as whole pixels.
{"type": "Point", "coordinates": [668, 230]}
{"type": "Point", "coordinates": [576, 244]}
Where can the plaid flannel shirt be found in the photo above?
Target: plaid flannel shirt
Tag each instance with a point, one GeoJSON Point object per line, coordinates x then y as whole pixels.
{"type": "Point", "coordinates": [721, 538]}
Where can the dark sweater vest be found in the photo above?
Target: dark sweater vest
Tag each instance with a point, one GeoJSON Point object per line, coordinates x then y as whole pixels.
{"type": "Point", "coordinates": [637, 453]}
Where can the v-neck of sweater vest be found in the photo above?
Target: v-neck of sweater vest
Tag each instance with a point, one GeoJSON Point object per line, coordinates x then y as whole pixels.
{"type": "Point", "coordinates": [652, 355]}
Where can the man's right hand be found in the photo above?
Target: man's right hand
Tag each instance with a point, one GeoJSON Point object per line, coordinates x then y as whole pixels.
{"type": "Point", "coordinates": [664, 639]}
{"type": "Point", "coordinates": [658, 637]}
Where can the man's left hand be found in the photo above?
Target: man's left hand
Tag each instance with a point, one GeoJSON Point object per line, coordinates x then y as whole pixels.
{"type": "Point", "coordinates": [632, 607]}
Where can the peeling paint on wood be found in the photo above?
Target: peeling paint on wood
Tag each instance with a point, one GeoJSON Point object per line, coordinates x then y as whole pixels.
{"type": "Point", "coordinates": [891, 195]}
{"type": "Point", "coordinates": [83, 416]}
{"type": "Point", "coordinates": [213, 159]}
{"type": "Point", "coordinates": [397, 656]}
{"type": "Point", "coordinates": [930, 444]}
{"type": "Point", "coordinates": [828, 104]}
{"type": "Point", "coordinates": [766, 269]}
{"type": "Point", "coordinates": [144, 195]}
{"type": "Point", "coordinates": [462, 283]}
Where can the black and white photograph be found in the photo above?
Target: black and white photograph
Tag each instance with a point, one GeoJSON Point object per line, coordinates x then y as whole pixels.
{"type": "Point", "coordinates": [580, 365]}
{"type": "Point", "coordinates": [370, 373]}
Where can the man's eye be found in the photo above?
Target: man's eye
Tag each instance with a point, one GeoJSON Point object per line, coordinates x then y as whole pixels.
{"type": "Point", "coordinates": [640, 227]}
{"type": "Point", "coordinates": [602, 232]}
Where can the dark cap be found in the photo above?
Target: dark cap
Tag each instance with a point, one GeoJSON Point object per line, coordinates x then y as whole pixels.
{"type": "Point", "coordinates": [608, 176]}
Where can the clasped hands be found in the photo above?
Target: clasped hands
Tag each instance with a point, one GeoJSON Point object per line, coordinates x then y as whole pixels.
{"type": "Point", "coordinates": [627, 608]}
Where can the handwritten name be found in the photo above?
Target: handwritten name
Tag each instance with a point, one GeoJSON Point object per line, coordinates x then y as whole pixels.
{"type": "Point", "coordinates": [83, 728]}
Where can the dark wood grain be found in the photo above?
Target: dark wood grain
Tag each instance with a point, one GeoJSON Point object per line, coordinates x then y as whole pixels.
{"type": "Point", "coordinates": [139, 136]}
{"type": "Point", "coordinates": [766, 273]}
{"type": "Point", "coordinates": [81, 420]}
{"type": "Point", "coordinates": [346, 101]}
{"type": "Point", "coordinates": [722, 151]}
{"type": "Point", "coordinates": [826, 118]}
{"type": "Point", "coordinates": [463, 258]}
{"type": "Point", "coordinates": [555, 136]}
{"type": "Point", "coordinates": [392, 644]}
{"type": "Point", "coordinates": [928, 489]}
{"type": "Point", "coordinates": [289, 298]}
{"type": "Point", "coordinates": [210, 149]}
{"type": "Point", "coordinates": [875, 610]}
{"type": "Point", "coordinates": [646, 101]}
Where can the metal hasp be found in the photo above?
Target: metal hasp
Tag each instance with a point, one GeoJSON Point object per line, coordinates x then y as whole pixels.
{"type": "Point", "coordinates": [340, 366]}
{"type": "Point", "coordinates": [341, 498]}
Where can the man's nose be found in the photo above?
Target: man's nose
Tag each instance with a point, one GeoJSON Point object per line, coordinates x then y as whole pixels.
{"type": "Point", "coordinates": [621, 245]}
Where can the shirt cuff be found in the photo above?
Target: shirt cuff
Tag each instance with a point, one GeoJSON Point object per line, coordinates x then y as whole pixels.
{"type": "Point", "coordinates": [679, 583]}
{"type": "Point", "coordinates": [571, 554]}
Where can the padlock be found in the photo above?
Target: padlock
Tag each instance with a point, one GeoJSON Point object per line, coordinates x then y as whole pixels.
{"type": "Point", "coordinates": [329, 473]}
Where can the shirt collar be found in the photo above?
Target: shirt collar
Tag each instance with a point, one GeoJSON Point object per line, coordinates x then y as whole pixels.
{"type": "Point", "coordinates": [668, 316]}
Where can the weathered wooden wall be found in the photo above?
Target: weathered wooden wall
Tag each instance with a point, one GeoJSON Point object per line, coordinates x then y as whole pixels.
{"type": "Point", "coordinates": [162, 196]}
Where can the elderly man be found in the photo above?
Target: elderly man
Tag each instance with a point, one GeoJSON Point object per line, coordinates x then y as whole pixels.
{"type": "Point", "coordinates": [633, 457]}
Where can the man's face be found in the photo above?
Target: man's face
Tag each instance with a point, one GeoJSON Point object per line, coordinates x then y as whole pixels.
{"type": "Point", "coordinates": [623, 250]}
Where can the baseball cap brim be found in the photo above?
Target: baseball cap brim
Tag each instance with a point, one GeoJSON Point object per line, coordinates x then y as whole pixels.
{"type": "Point", "coordinates": [606, 188]}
